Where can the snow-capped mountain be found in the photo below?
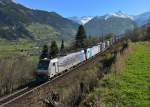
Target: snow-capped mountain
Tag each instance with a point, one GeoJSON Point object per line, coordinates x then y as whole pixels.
{"type": "Point", "coordinates": [85, 19]}
{"type": "Point", "coordinates": [116, 23]}
{"type": "Point", "coordinates": [118, 15]}
{"type": "Point", "coordinates": [81, 20]}
{"type": "Point", "coordinates": [142, 18]}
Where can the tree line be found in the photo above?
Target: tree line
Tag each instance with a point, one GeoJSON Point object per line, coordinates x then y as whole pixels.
{"type": "Point", "coordinates": [82, 41]}
{"type": "Point", "coordinates": [139, 34]}
{"type": "Point", "coordinates": [53, 51]}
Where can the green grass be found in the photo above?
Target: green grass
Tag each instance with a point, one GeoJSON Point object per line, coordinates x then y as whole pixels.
{"type": "Point", "coordinates": [22, 48]}
{"type": "Point", "coordinates": [131, 88]}
{"type": "Point", "coordinates": [43, 32]}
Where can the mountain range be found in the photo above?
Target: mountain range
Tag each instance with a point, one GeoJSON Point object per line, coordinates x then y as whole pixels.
{"type": "Point", "coordinates": [140, 20]}
{"type": "Point", "coordinates": [117, 23]}
{"type": "Point", "coordinates": [18, 21]}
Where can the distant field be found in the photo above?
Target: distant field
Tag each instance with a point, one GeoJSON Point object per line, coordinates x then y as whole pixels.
{"type": "Point", "coordinates": [25, 48]}
{"type": "Point", "coordinates": [129, 88]}
{"type": "Point", "coordinates": [17, 48]}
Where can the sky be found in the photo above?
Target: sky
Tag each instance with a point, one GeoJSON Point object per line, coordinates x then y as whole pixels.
{"type": "Point", "coordinates": [69, 8]}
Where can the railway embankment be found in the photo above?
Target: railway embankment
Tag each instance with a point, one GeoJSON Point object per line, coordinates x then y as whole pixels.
{"type": "Point", "coordinates": [70, 89]}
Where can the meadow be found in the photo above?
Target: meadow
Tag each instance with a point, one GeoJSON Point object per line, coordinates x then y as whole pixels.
{"type": "Point", "coordinates": [128, 84]}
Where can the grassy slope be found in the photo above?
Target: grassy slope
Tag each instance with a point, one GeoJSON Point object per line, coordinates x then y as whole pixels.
{"type": "Point", "coordinates": [43, 32]}
{"type": "Point", "coordinates": [130, 88]}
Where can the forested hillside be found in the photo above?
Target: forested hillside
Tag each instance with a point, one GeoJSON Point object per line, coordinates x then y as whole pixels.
{"type": "Point", "coordinates": [17, 21]}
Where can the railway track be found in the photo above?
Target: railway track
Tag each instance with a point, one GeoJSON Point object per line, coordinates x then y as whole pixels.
{"type": "Point", "coordinates": [10, 98]}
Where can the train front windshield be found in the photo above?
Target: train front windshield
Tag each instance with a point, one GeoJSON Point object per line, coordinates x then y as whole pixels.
{"type": "Point", "coordinates": [43, 65]}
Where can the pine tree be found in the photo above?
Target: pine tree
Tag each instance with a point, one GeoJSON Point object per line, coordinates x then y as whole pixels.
{"type": "Point", "coordinates": [44, 52]}
{"type": "Point", "coordinates": [148, 34]}
{"type": "Point", "coordinates": [80, 37]}
{"type": "Point", "coordinates": [62, 46]}
{"type": "Point", "coordinates": [62, 49]}
{"type": "Point", "coordinates": [109, 36]}
{"type": "Point", "coordinates": [53, 50]}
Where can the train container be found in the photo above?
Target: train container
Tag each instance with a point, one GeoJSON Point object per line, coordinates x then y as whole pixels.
{"type": "Point", "coordinates": [103, 46]}
{"type": "Point", "coordinates": [107, 43]}
{"type": "Point", "coordinates": [89, 53]}
{"type": "Point", "coordinates": [65, 63]}
{"type": "Point", "coordinates": [100, 46]}
{"type": "Point", "coordinates": [95, 50]}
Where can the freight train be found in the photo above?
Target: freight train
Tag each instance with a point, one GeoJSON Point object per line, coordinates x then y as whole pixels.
{"type": "Point", "coordinates": [49, 68]}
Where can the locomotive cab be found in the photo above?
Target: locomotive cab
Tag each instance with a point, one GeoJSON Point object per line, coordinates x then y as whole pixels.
{"type": "Point", "coordinates": [47, 68]}
{"type": "Point", "coordinates": [43, 68]}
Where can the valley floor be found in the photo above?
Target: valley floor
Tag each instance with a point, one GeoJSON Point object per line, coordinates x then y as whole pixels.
{"type": "Point", "coordinates": [128, 85]}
